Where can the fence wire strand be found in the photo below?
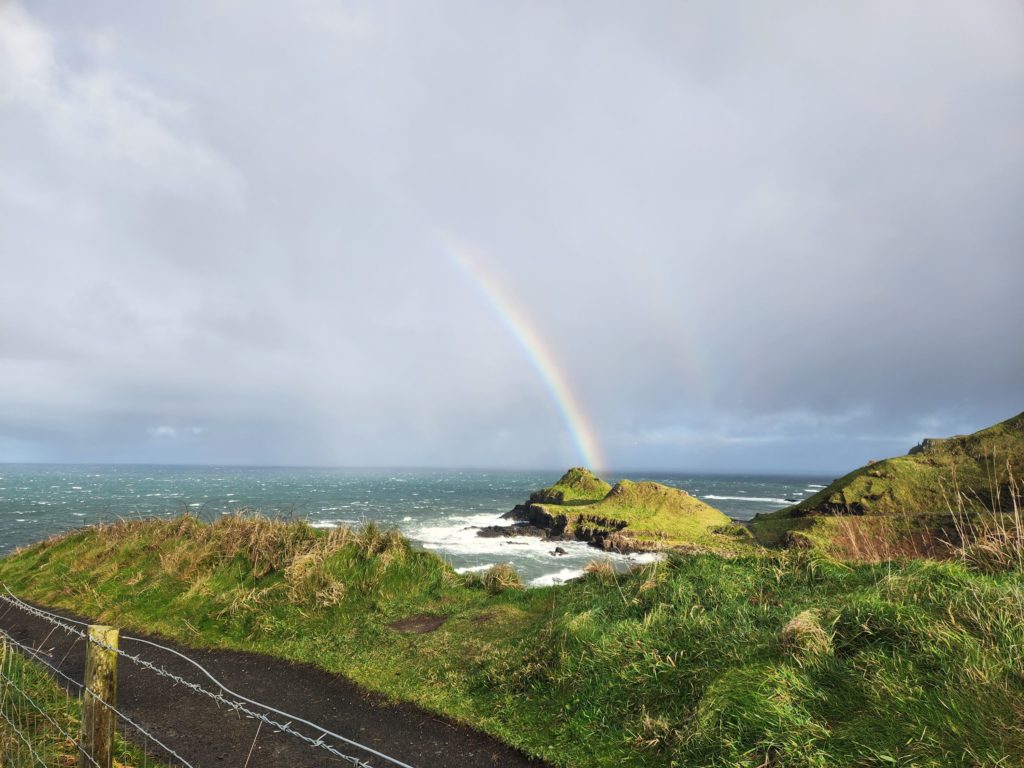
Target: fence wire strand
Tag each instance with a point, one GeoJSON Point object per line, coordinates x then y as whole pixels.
{"type": "Point", "coordinates": [35, 705]}
{"type": "Point", "coordinates": [29, 701]}
{"type": "Point", "coordinates": [278, 720]}
{"type": "Point", "coordinates": [23, 737]}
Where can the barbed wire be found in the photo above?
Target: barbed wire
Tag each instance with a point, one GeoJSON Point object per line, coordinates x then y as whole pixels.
{"type": "Point", "coordinates": [243, 710]}
{"type": "Point", "coordinates": [47, 715]}
{"type": "Point", "coordinates": [36, 656]}
{"type": "Point", "coordinates": [240, 708]}
{"type": "Point", "coordinates": [53, 618]}
{"type": "Point", "coordinates": [141, 730]}
{"type": "Point", "coordinates": [226, 697]}
{"type": "Point", "coordinates": [17, 731]}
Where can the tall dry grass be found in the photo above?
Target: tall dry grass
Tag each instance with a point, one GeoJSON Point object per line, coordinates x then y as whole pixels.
{"type": "Point", "coordinates": [991, 541]}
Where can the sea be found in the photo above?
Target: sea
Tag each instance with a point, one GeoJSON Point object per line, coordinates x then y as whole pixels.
{"type": "Point", "coordinates": [438, 510]}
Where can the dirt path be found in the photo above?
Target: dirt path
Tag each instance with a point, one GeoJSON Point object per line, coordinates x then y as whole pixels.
{"type": "Point", "coordinates": [207, 734]}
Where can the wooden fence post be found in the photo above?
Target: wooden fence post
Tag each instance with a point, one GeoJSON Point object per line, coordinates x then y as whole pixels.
{"type": "Point", "coordinates": [101, 686]}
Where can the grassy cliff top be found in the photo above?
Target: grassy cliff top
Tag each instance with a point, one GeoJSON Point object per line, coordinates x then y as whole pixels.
{"type": "Point", "coordinates": [769, 659]}
{"type": "Point", "coordinates": [904, 503]}
{"type": "Point", "coordinates": [578, 485]}
{"type": "Point", "coordinates": [927, 479]}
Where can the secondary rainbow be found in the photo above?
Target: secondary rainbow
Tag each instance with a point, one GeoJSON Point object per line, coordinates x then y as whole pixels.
{"type": "Point", "coordinates": [537, 351]}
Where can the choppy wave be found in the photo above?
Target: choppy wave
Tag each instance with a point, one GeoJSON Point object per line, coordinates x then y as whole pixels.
{"type": "Point", "coordinates": [475, 568]}
{"type": "Point", "coordinates": [762, 499]}
{"type": "Point", "coordinates": [558, 577]}
{"type": "Point", "coordinates": [457, 536]}
{"type": "Point", "coordinates": [436, 509]}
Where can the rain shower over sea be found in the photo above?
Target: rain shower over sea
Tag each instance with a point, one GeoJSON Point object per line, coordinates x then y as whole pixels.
{"type": "Point", "coordinates": [439, 510]}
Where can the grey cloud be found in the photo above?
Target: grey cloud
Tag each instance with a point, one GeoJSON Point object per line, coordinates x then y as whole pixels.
{"type": "Point", "coordinates": [755, 240]}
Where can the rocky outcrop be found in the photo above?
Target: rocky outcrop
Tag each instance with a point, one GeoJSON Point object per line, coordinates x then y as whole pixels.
{"type": "Point", "coordinates": [506, 531]}
{"type": "Point", "coordinates": [926, 445]}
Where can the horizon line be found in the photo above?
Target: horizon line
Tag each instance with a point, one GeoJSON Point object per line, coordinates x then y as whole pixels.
{"type": "Point", "coordinates": [422, 467]}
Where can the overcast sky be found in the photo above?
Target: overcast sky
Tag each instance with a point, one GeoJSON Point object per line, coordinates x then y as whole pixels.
{"type": "Point", "coordinates": [776, 237]}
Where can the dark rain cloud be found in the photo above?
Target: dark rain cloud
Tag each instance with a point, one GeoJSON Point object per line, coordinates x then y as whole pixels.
{"type": "Point", "coordinates": [754, 240]}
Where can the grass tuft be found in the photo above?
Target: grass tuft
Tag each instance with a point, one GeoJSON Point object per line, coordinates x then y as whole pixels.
{"type": "Point", "coordinates": [603, 570]}
{"type": "Point", "coordinates": [500, 577]}
{"type": "Point", "coordinates": [804, 637]}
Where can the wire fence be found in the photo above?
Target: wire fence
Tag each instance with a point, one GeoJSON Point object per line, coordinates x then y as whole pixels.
{"type": "Point", "coordinates": [41, 705]}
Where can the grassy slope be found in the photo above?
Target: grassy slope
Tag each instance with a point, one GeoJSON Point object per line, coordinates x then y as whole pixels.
{"type": "Point", "coordinates": [760, 660]}
{"type": "Point", "coordinates": [915, 491]}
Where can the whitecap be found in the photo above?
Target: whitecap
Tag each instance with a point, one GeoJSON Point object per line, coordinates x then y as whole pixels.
{"type": "Point", "coordinates": [764, 499]}
{"type": "Point", "coordinates": [331, 523]}
{"type": "Point", "coordinates": [643, 558]}
{"type": "Point", "coordinates": [474, 568]}
{"type": "Point", "coordinates": [558, 577]}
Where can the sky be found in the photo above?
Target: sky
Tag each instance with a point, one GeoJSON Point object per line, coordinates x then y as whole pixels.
{"type": "Point", "coordinates": [702, 236]}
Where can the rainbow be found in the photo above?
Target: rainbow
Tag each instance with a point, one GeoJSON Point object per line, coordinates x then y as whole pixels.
{"type": "Point", "coordinates": [540, 355]}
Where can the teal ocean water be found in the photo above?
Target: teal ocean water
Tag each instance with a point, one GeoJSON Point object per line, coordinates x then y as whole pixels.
{"type": "Point", "coordinates": [439, 510]}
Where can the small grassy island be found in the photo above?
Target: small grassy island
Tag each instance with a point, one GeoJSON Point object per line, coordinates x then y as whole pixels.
{"type": "Point", "coordinates": [629, 517]}
{"type": "Point", "coordinates": [791, 651]}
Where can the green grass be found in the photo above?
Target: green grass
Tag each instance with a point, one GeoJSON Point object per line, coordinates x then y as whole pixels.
{"type": "Point", "coordinates": [781, 659]}
{"type": "Point", "coordinates": [576, 486]}
{"type": "Point", "coordinates": [632, 516]}
{"type": "Point", "coordinates": [646, 515]}
{"type": "Point", "coordinates": [46, 715]}
{"type": "Point", "coordinates": [919, 492]}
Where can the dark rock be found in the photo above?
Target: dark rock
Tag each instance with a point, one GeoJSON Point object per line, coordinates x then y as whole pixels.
{"type": "Point", "coordinates": [547, 496]}
{"type": "Point", "coordinates": [558, 551]}
{"type": "Point", "coordinates": [519, 529]}
{"type": "Point", "coordinates": [520, 513]}
{"type": "Point", "coordinates": [927, 445]}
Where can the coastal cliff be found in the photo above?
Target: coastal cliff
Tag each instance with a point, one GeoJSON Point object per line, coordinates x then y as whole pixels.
{"type": "Point", "coordinates": [912, 504]}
